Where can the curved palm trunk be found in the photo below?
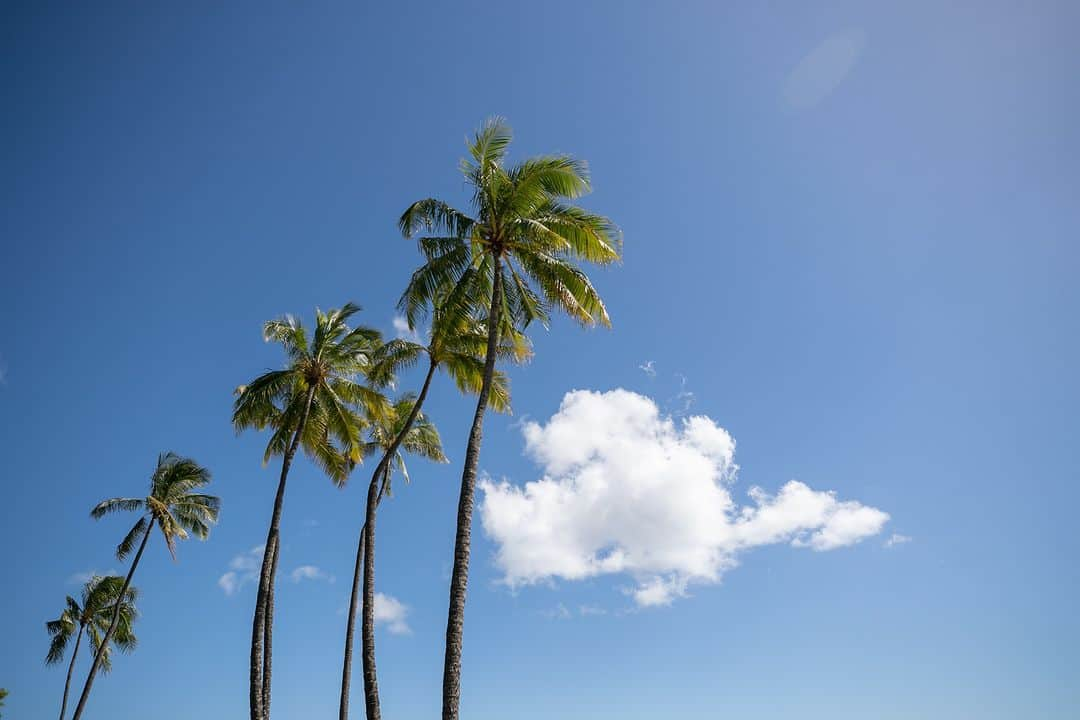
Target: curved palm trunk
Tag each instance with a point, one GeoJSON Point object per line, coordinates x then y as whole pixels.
{"type": "Point", "coordinates": [100, 654]}
{"type": "Point", "coordinates": [459, 579]}
{"type": "Point", "coordinates": [268, 632]}
{"type": "Point", "coordinates": [259, 677]}
{"type": "Point", "coordinates": [71, 667]}
{"type": "Point", "coordinates": [365, 556]}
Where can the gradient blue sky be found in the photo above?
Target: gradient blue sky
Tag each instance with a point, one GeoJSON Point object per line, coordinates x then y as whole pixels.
{"type": "Point", "coordinates": [850, 234]}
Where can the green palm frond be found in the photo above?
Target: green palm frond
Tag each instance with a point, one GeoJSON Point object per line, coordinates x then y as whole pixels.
{"type": "Point", "coordinates": [524, 218]}
{"type": "Point", "coordinates": [336, 365]}
{"type": "Point", "coordinates": [99, 599]}
{"type": "Point", "coordinates": [174, 504]}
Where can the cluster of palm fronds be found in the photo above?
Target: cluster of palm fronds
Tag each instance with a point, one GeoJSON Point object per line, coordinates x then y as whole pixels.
{"type": "Point", "coordinates": [487, 276]}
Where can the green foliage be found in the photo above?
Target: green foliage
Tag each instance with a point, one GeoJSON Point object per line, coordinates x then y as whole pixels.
{"type": "Point", "coordinates": [421, 439]}
{"type": "Point", "coordinates": [457, 344]}
{"type": "Point", "coordinates": [523, 223]}
{"type": "Point", "coordinates": [92, 614]}
{"type": "Point", "coordinates": [334, 367]}
{"type": "Point", "coordinates": [173, 505]}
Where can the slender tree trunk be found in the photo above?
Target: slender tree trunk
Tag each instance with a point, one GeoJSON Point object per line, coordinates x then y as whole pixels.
{"type": "Point", "coordinates": [259, 691]}
{"type": "Point", "coordinates": [459, 579]}
{"type": "Point", "coordinates": [371, 682]}
{"type": "Point", "coordinates": [71, 667]}
{"type": "Point", "coordinates": [350, 627]}
{"type": "Point", "coordinates": [100, 654]}
{"type": "Point", "coordinates": [268, 631]}
{"type": "Point", "coordinates": [371, 692]}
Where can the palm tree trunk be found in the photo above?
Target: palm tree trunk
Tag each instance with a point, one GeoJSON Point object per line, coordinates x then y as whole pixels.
{"type": "Point", "coordinates": [371, 691]}
{"type": "Point", "coordinates": [371, 682]}
{"type": "Point", "coordinates": [268, 632]}
{"type": "Point", "coordinates": [71, 667]}
{"type": "Point", "coordinates": [100, 654]}
{"type": "Point", "coordinates": [459, 579]}
{"type": "Point", "coordinates": [350, 627]}
{"type": "Point", "coordinates": [259, 691]}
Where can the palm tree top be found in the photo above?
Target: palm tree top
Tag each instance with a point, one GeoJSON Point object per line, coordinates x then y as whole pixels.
{"type": "Point", "coordinates": [422, 439]}
{"type": "Point", "coordinates": [93, 611]}
{"type": "Point", "coordinates": [331, 365]}
{"type": "Point", "coordinates": [522, 220]}
{"type": "Point", "coordinates": [173, 504]}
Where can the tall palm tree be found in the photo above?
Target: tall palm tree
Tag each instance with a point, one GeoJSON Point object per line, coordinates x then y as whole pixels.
{"type": "Point", "coordinates": [457, 341]}
{"type": "Point", "coordinates": [419, 436]}
{"type": "Point", "coordinates": [174, 507]}
{"type": "Point", "coordinates": [514, 256]}
{"type": "Point", "coordinates": [91, 615]}
{"type": "Point", "coordinates": [311, 404]}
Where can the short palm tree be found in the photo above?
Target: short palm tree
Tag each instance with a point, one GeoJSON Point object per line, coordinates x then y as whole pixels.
{"type": "Point", "coordinates": [91, 615]}
{"type": "Point", "coordinates": [457, 342]}
{"type": "Point", "coordinates": [312, 404]}
{"type": "Point", "coordinates": [514, 258]}
{"type": "Point", "coordinates": [177, 509]}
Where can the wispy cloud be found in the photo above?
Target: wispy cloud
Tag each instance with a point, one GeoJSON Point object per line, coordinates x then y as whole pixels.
{"type": "Point", "coordinates": [897, 539]}
{"type": "Point", "coordinates": [684, 399]}
{"type": "Point", "coordinates": [562, 612]}
{"type": "Point", "coordinates": [243, 569]}
{"type": "Point", "coordinates": [822, 70]}
{"type": "Point", "coordinates": [649, 368]}
{"type": "Point", "coordinates": [81, 578]}
{"type": "Point", "coordinates": [625, 490]}
{"type": "Point", "coordinates": [392, 613]}
{"type": "Point", "coordinates": [310, 572]}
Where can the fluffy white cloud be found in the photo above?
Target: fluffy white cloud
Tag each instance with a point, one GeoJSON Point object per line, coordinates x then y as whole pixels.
{"type": "Point", "coordinates": [391, 612]}
{"type": "Point", "coordinates": [310, 572]}
{"type": "Point", "coordinates": [627, 490]}
{"type": "Point", "coordinates": [243, 569]}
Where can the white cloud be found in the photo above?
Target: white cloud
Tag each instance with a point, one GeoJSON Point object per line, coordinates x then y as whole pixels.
{"type": "Point", "coordinates": [897, 539]}
{"type": "Point", "coordinates": [392, 612]}
{"type": "Point", "coordinates": [403, 332]}
{"type": "Point", "coordinates": [649, 368]}
{"type": "Point", "coordinates": [684, 399]}
{"type": "Point", "coordinates": [310, 572]}
{"type": "Point", "coordinates": [81, 578]}
{"type": "Point", "coordinates": [822, 70]}
{"type": "Point", "coordinates": [626, 490]}
{"type": "Point", "coordinates": [243, 569]}
{"type": "Point", "coordinates": [559, 612]}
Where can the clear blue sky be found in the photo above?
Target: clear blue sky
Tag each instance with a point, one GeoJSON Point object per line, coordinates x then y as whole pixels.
{"type": "Point", "coordinates": [851, 234]}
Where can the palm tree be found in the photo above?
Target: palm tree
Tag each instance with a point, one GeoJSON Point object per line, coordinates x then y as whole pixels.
{"type": "Point", "coordinates": [92, 615]}
{"type": "Point", "coordinates": [311, 403]}
{"type": "Point", "coordinates": [3, 696]}
{"type": "Point", "coordinates": [411, 431]}
{"type": "Point", "coordinates": [515, 258]}
{"type": "Point", "coordinates": [175, 508]}
{"type": "Point", "coordinates": [457, 341]}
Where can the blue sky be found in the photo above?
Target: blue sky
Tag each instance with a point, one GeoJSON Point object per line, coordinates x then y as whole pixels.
{"type": "Point", "coordinates": [850, 242]}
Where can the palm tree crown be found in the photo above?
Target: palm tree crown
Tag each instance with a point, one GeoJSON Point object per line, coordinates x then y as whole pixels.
{"type": "Point", "coordinates": [173, 504]}
{"type": "Point", "coordinates": [329, 367]}
{"type": "Point", "coordinates": [421, 438]}
{"type": "Point", "coordinates": [92, 613]}
{"type": "Point", "coordinates": [522, 229]}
